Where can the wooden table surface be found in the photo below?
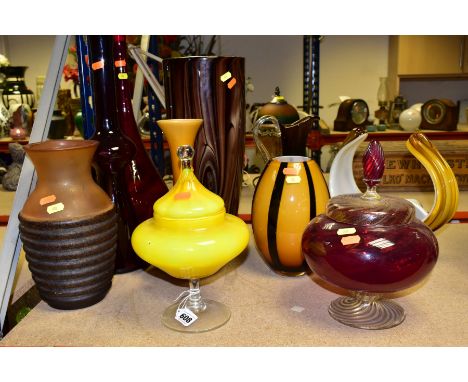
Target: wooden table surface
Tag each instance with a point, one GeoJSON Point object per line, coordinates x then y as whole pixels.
{"type": "Point", "coordinates": [296, 308]}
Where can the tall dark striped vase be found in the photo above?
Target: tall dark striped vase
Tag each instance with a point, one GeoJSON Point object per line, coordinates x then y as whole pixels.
{"type": "Point", "coordinates": [291, 191]}
{"type": "Point", "coordinates": [212, 89]}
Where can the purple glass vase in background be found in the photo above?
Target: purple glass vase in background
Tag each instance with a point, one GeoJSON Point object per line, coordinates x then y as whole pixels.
{"type": "Point", "coordinates": [212, 88]}
{"type": "Point", "coordinates": [115, 151]}
{"type": "Point", "coordinates": [144, 182]}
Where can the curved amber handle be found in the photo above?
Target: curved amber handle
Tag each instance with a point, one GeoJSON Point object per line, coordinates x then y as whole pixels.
{"type": "Point", "coordinates": [445, 184]}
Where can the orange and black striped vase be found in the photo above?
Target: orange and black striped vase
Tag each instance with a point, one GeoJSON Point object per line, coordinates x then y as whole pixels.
{"type": "Point", "coordinates": [291, 191]}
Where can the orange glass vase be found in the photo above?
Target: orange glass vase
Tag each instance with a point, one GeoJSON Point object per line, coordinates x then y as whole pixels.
{"type": "Point", "coordinates": [291, 191]}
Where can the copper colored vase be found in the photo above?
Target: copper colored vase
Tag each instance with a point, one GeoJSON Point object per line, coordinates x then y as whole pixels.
{"type": "Point", "coordinates": [68, 226]}
{"type": "Point", "coordinates": [212, 89]}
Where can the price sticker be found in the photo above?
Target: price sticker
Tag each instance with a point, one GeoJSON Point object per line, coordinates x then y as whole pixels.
{"type": "Point", "coordinates": [97, 65]}
{"type": "Point", "coordinates": [292, 179]}
{"type": "Point", "coordinates": [119, 63]}
{"type": "Point", "coordinates": [185, 316]}
{"type": "Point", "coordinates": [231, 83]}
{"type": "Point", "coordinates": [349, 240]}
{"type": "Point", "coordinates": [346, 231]}
{"type": "Point", "coordinates": [54, 208]}
{"type": "Point", "coordinates": [47, 199]}
{"type": "Point", "coordinates": [225, 76]}
{"type": "Point", "coordinates": [182, 195]}
{"type": "Point", "coordinates": [290, 171]}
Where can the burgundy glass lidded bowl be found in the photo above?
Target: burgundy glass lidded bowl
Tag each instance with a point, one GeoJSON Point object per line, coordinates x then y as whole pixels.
{"type": "Point", "coordinates": [370, 245]}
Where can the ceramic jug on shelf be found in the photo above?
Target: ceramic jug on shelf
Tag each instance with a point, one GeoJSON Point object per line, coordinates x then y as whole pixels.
{"type": "Point", "coordinates": [279, 108]}
{"type": "Point", "coordinates": [446, 194]}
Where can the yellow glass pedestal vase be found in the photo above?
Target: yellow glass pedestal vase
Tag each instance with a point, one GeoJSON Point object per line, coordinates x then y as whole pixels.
{"type": "Point", "coordinates": [190, 237]}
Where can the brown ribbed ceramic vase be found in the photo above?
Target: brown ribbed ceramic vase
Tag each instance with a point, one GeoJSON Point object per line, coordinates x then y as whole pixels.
{"type": "Point", "coordinates": [68, 226]}
{"type": "Point", "coordinates": [212, 89]}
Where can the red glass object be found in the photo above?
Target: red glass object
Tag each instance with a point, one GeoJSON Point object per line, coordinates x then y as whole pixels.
{"type": "Point", "coordinates": [144, 182]}
{"type": "Point", "coordinates": [115, 151]}
{"type": "Point", "coordinates": [375, 259]}
{"type": "Point", "coordinates": [17, 133]}
{"type": "Point", "coordinates": [373, 163]}
{"type": "Point", "coordinates": [370, 245]}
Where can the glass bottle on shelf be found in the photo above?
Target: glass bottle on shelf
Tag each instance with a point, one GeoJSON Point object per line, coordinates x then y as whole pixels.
{"type": "Point", "coordinates": [144, 182]}
{"type": "Point", "coordinates": [382, 97]}
{"type": "Point", "coordinates": [382, 92]}
{"type": "Point", "coordinates": [115, 151]}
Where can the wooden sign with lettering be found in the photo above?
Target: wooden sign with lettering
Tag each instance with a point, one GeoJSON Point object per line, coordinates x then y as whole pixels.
{"type": "Point", "coordinates": [403, 172]}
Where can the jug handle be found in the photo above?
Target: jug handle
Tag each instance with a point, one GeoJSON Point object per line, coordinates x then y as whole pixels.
{"type": "Point", "coordinates": [256, 134]}
{"type": "Point", "coordinates": [341, 180]}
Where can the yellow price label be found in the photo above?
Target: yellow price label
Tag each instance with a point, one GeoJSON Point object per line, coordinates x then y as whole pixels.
{"type": "Point", "coordinates": [225, 76]}
{"type": "Point", "coordinates": [54, 208]}
{"type": "Point", "coordinates": [346, 231]}
{"type": "Point", "coordinates": [293, 179]}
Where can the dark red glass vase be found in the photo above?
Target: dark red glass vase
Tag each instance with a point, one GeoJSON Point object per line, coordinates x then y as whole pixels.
{"type": "Point", "coordinates": [144, 182]}
{"type": "Point", "coordinates": [115, 151]}
{"type": "Point", "coordinates": [370, 245]}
